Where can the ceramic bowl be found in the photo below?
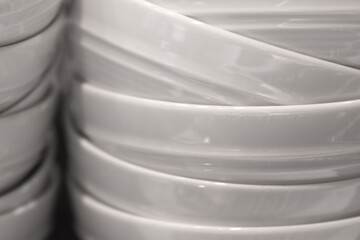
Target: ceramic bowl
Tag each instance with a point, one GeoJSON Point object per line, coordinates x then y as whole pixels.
{"type": "Point", "coordinates": [223, 142]}
{"type": "Point", "coordinates": [22, 19]}
{"type": "Point", "coordinates": [36, 94]}
{"type": "Point", "coordinates": [115, 68]}
{"type": "Point", "coordinates": [32, 219]}
{"type": "Point", "coordinates": [24, 133]}
{"type": "Point", "coordinates": [29, 185]}
{"type": "Point", "coordinates": [12, 174]}
{"type": "Point", "coordinates": [327, 33]}
{"type": "Point", "coordinates": [157, 195]}
{"type": "Point", "coordinates": [242, 67]}
{"type": "Point", "coordinates": [22, 64]}
{"type": "Point", "coordinates": [191, 7]}
{"type": "Point", "coordinates": [99, 221]}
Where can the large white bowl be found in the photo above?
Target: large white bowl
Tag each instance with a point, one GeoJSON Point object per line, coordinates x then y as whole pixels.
{"type": "Point", "coordinates": [148, 193]}
{"type": "Point", "coordinates": [22, 19]}
{"type": "Point", "coordinates": [24, 133]}
{"type": "Point", "coordinates": [33, 219]}
{"type": "Point", "coordinates": [22, 64]}
{"type": "Point", "coordinates": [98, 221]}
{"type": "Point", "coordinates": [225, 61]}
{"type": "Point", "coordinates": [297, 143]}
{"type": "Point", "coordinates": [29, 185]}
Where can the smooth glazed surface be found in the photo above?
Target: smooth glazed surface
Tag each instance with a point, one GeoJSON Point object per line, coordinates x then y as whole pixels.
{"type": "Point", "coordinates": [218, 58]}
{"type": "Point", "coordinates": [22, 19]}
{"type": "Point", "coordinates": [152, 194]}
{"type": "Point", "coordinates": [102, 222]}
{"type": "Point", "coordinates": [30, 186]}
{"type": "Point", "coordinates": [24, 133]}
{"type": "Point", "coordinates": [22, 64]}
{"type": "Point", "coordinates": [33, 217]}
{"type": "Point", "coordinates": [167, 136]}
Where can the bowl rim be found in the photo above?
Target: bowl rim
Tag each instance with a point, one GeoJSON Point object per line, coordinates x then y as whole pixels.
{"type": "Point", "coordinates": [85, 145]}
{"type": "Point", "coordinates": [80, 196]}
{"type": "Point", "coordinates": [216, 109]}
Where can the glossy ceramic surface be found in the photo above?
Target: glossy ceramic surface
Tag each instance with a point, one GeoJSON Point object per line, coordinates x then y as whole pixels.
{"type": "Point", "coordinates": [22, 19]}
{"type": "Point", "coordinates": [36, 94]}
{"type": "Point", "coordinates": [242, 67]}
{"type": "Point", "coordinates": [31, 220]}
{"type": "Point", "coordinates": [148, 193]}
{"type": "Point", "coordinates": [102, 222]}
{"type": "Point", "coordinates": [246, 6]}
{"type": "Point", "coordinates": [31, 184]}
{"type": "Point", "coordinates": [10, 175]}
{"type": "Point", "coordinates": [215, 142]}
{"type": "Point", "coordinates": [22, 64]}
{"type": "Point", "coordinates": [114, 68]}
{"type": "Point", "coordinates": [328, 33]}
{"type": "Point", "coordinates": [24, 133]}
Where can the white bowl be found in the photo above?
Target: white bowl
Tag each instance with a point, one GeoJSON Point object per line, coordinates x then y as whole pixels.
{"type": "Point", "coordinates": [36, 94]}
{"type": "Point", "coordinates": [223, 142]}
{"type": "Point", "coordinates": [114, 68]}
{"type": "Point", "coordinates": [22, 19]}
{"type": "Point", "coordinates": [24, 133]}
{"type": "Point", "coordinates": [331, 32]}
{"type": "Point", "coordinates": [22, 64]}
{"type": "Point", "coordinates": [29, 185]}
{"type": "Point", "coordinates": [31, 220]}
{"type": "Point", "coordinates": [12, 174]}
{"type": "Point", "coordinates": [99, 221]}
{"type": "Point", "coordinates": [239, 66]}
{"type": "Point", "coordinates": [191, 7]}
{"type": "Point", "coordinates": [148, 193]}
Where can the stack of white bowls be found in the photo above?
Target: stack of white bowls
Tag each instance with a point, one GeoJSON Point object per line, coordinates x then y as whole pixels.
{"type": "Point", "coordinates": [30, 33]}
{"type": "Point", "coordinates": [183, 126]}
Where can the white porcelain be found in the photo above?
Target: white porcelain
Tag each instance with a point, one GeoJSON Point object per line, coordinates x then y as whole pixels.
{"type": "Point", "coordinates": [12, 174]}
{"type": "Point", "coordinates": [36, 94]}
{"type": "Point", "coordinates": [99, 221]}
{"type": "Point", "coordinates": [157, 195]}
{"type": "Point", "coordinates": [24, 133]}
{"type": "Point", "coordinates": [21, 19]}
{"type": "Point", "coordinates": [33, 219]}
{"type": "Point", "coordinates": [246, 6]}
{"type": "Point", "coordinates": [275, 143]}
{"type": "Point", "coordinates": [331, 32]}
{"type": "Point", "coordinates": [241, 67]}
{"type": "Point", "coordinates": [114, 68]}
{"type": "Point", "coordinates": [22, 64]}
{"type": "Point", "coordinates": [31, 184]}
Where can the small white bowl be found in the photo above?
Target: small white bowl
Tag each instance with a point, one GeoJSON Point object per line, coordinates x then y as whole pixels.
{"type": "Point", "coordinates": [237, 65]}
{"type": "Point", "coordinates": [29, 185]}
{"type": "Point", "coordinates": [22, 64]}
{"type": "Point", "coordinates": [24, 133]}
{"type": "Point", "coordinates": [99, 221]}
{"type": "Point", "coordinates": [22, 19]}
{"type": "Point", "coordinates": [148, 193]}
{"type": "Point", "coordinates": [223, 142]}
{"type": "Point", "coordinates": [33, 219]}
